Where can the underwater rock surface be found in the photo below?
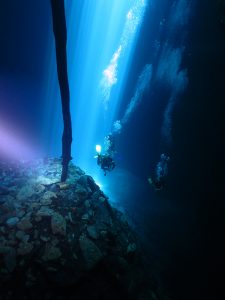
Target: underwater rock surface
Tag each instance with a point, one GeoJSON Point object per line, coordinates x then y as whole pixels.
{"type": "Point", "coordinates": [64, 240]}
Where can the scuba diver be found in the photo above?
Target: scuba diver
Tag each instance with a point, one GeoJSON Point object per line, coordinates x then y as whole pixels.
{"type": "Point", "coordinates": [161, 172]}
{"type": "Point", "coordinates": [105, 161]}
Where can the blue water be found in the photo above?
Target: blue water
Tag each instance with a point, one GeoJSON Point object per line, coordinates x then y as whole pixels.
{"type": "Point", "coordinates": [156, 68]}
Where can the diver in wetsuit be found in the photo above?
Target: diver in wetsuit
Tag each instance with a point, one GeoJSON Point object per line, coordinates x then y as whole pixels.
{"type": "Point", "coordinates": [161, 172]}
{"type": "Point", "coordinates": [105, 161]}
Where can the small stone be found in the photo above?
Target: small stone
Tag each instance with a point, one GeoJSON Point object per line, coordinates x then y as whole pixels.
{"type": "Point", "coordinates": [54, 241]}
{"type": "Point", "coordinates": [47, 198]}
{"type": "Point", "coordinates": [20, 235]}
{"type": "Point", "coordinates": [28, 215]}
{"type": "Point", "coordinates": [131, 248]}
{"type": "Point", "coordinates": [85, 217]}
{"type": "Point", "coordinates": [9, 205]}
{"type": "Point", "coordinates": [45, 211]}
{"type": "Point", "coordinates": [21, 213]}
{"type": "Point", "coordinates": [103, 234]}
{"type": "Point", "coordinates": [24, 248]}
{"type": "Point", "coordinates": [101, 199]}
{"type": "Point", "coordinates": [63, 185]}
{"type": "Point", "coordinates": [34, 206]}
{"type": "Point", "coordinates": [23, 236]}
{"type": "Point", "coordinates": [2, 230]}
{"type": "Point", "coordinates": [51, 253]}
{"type": "Point", "coordinates": [26, 238]}
{"type": "Point", "coordinates": [47, 181]}
{"type": "Point", "coordinates": [63, 261]}
{"type": "Point", "coordinates": [87, 204]}
{"type": "Point", "coordinates": [11, 235]}
{"type": "Point", "coordinates": [44, 238]}
{"type": "Point", "coordinates": [25, 224]}
{"type": "Point", "coordinates": [75, 256]}
{"type": "Point", "coordinates": [81, 192]}
{"type": "Point", "coordinates": [11, 222]}
{"type": "Point", "coordinates": [39, 188]}
{"type": "Point", "coordinates": [58, 224]}
{"type": "Point", "coordinates": [91, 213]}
{"type": "Point", "coordinates": [92, 232]}
{"type": "Point", "coordinates": [22, 263]}
{"type": "Point", "coordinates": [38, 218]}
{"type": "Point", "coordinates": [70, 218]}
{"type": "Point", "coordinates": [25, 193]}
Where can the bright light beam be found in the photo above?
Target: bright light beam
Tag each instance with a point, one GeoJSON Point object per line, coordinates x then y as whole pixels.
{"type": "Point", "coordinates": [109, 26]}
{"type": "Point", "coordinates": [142, 84]}
{"type": "Point", "coordinates": [133, 20]}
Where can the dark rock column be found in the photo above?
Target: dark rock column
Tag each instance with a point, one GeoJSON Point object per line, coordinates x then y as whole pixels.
{"type": "Point", "coordinates": [60, 32]}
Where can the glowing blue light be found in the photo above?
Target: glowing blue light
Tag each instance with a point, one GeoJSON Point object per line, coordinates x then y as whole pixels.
{"type": "Point", "coordinates": [98, 148]}
{"type": "Point", "coordinates": [142, 84]}
{"type": "Point", "coordinates": [133, 19]}
{"type": "Point", "coordinates": [100, 48]}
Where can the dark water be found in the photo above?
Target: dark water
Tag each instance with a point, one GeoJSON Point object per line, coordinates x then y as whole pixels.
{"type": "Point", "coordinates": [187, 224]}
{"type": "Point", "coordinates": [183, 226]}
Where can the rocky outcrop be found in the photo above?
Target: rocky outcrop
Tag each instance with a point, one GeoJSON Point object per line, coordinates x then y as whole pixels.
{"type": "Point", "coordinates": [57, 238]}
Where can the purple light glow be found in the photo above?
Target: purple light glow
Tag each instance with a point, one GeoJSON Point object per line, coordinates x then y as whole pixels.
{"type": "Point", "coordinates": [13, 147]}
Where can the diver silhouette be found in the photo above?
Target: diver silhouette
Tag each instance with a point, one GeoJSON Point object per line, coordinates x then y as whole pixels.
{"type": "Point", "coordinates": [161, 171]}
{"type": "Point", "coordinates": [105, 161]}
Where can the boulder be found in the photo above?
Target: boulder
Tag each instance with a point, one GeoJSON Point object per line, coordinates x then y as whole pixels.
{"type": "Point", "coordinates": [91, 253]}
{"type": "Point", "coordinates": [51, 253]}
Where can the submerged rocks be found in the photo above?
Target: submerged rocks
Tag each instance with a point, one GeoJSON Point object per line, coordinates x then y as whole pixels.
{"type": "Point", "coordinates": [63, 235]}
